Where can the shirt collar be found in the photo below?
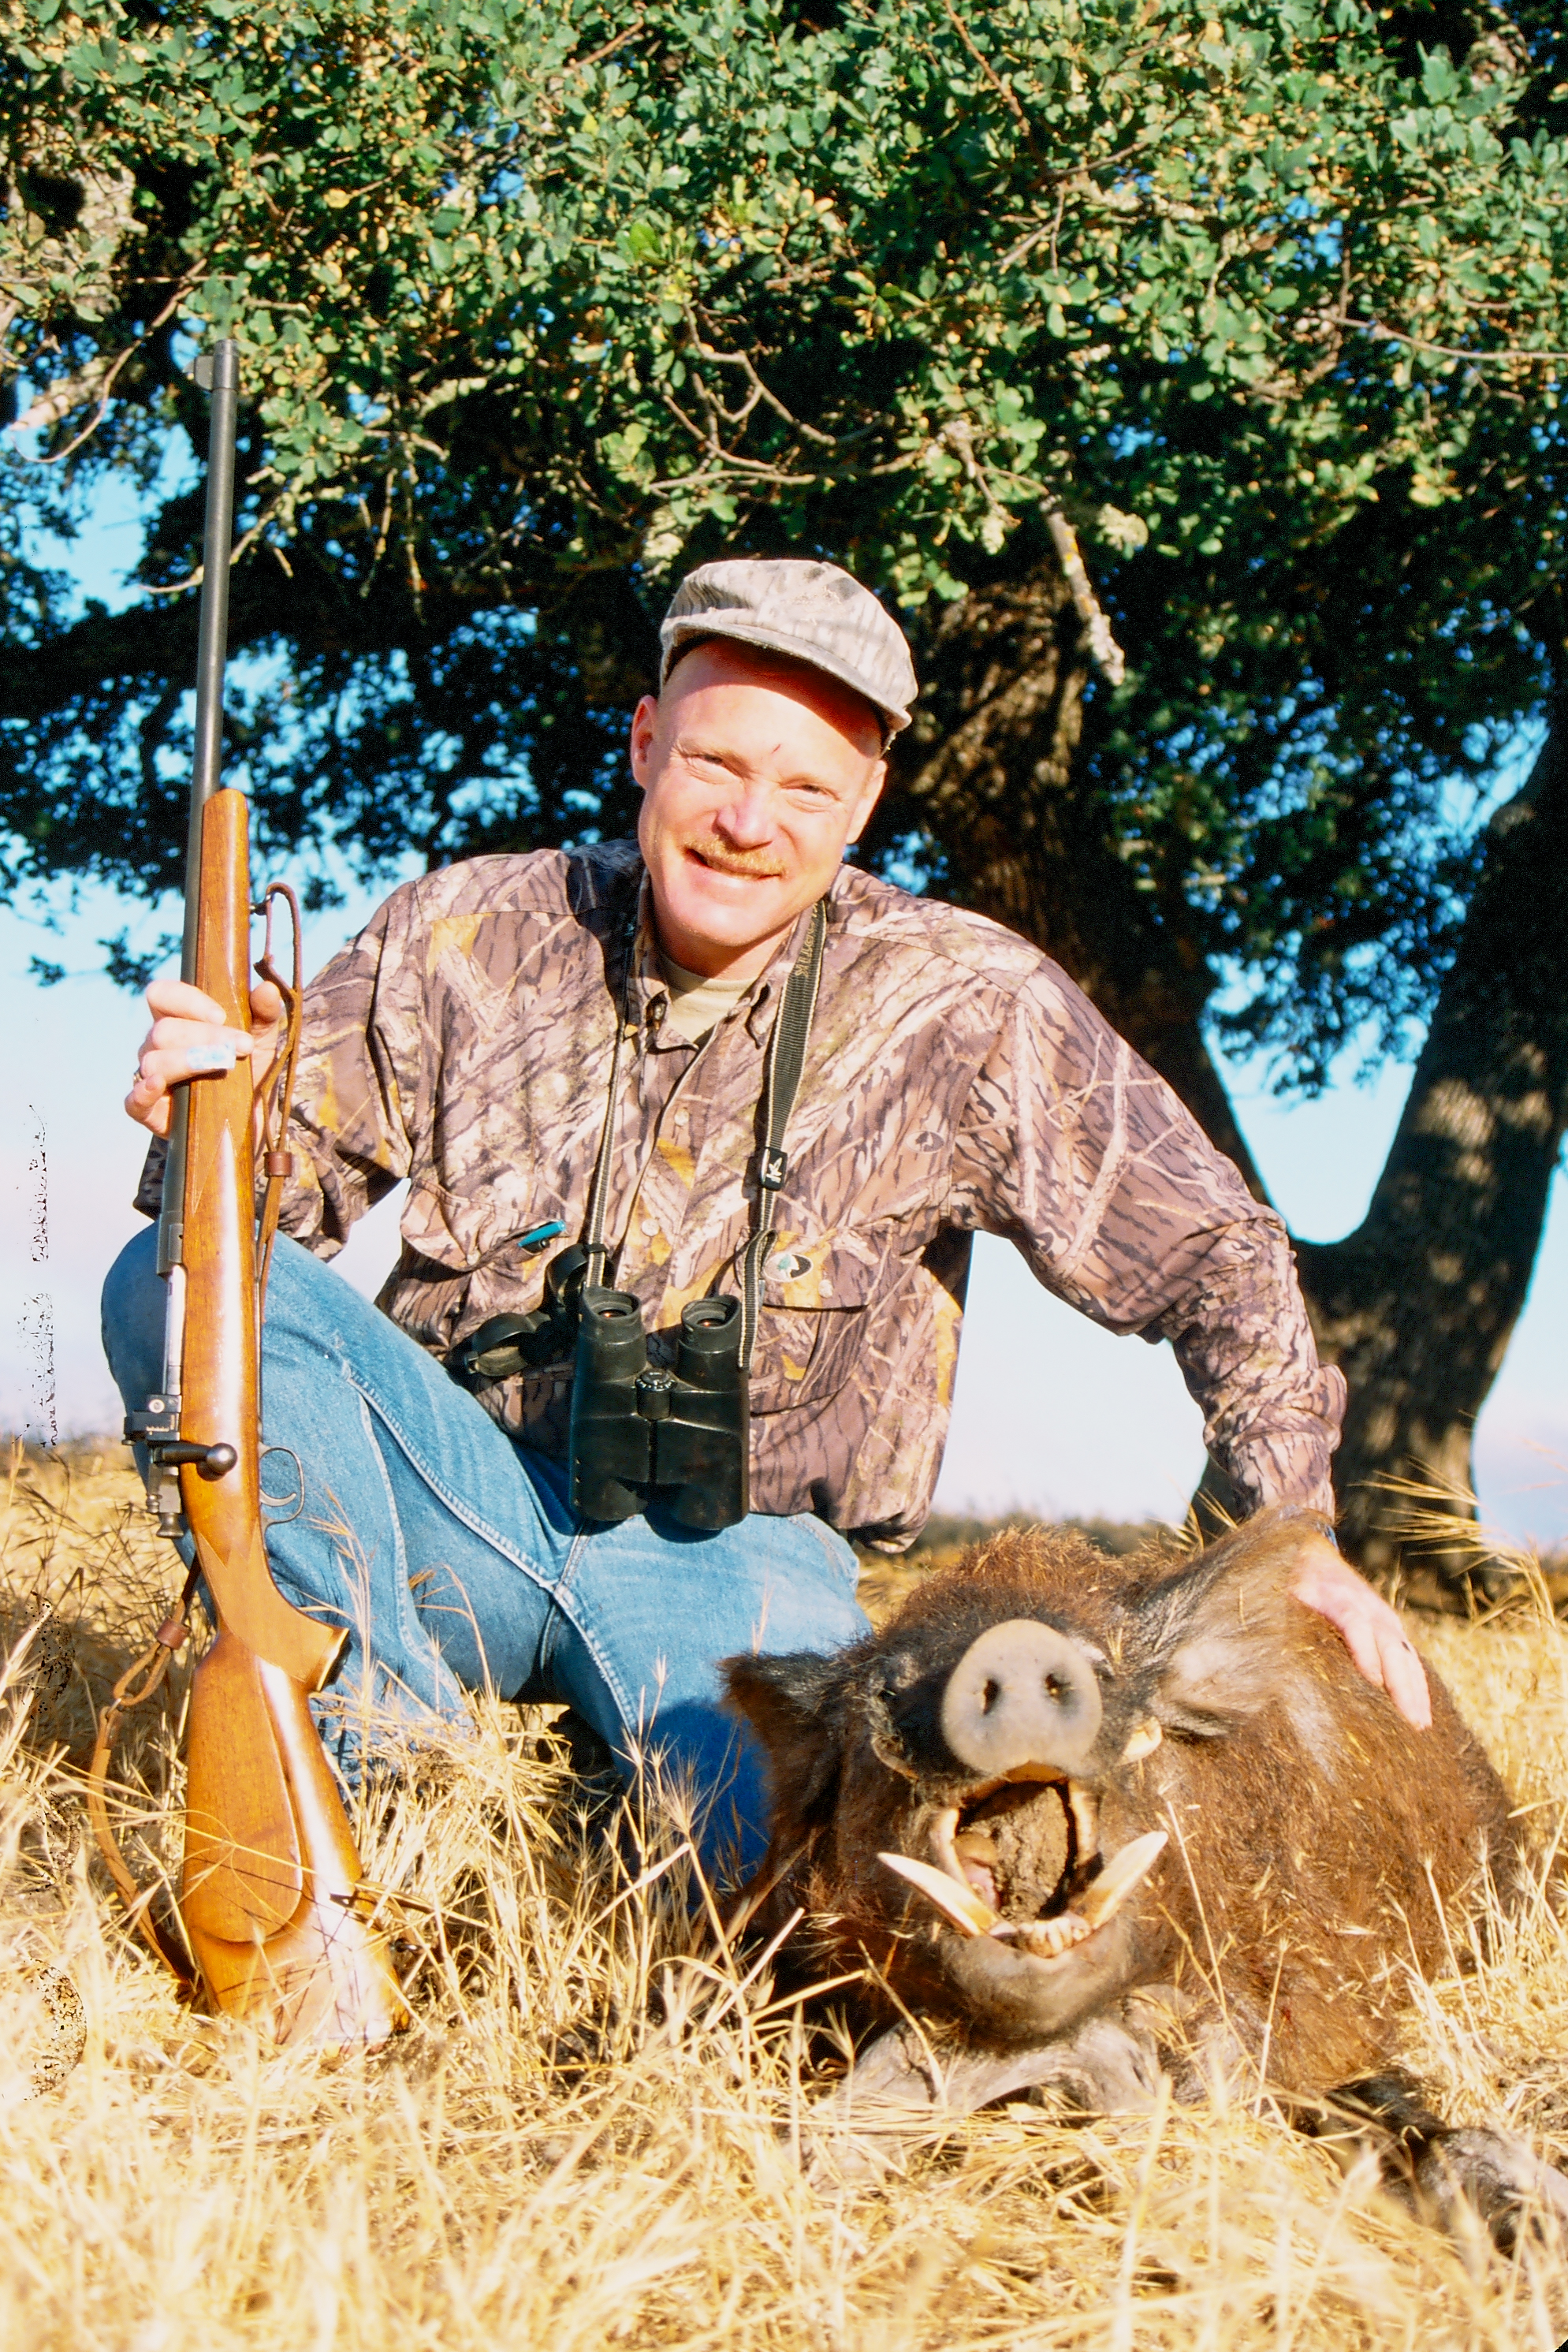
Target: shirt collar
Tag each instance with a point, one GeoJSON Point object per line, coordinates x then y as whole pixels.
{"type": "Point", "coordinates": [647, 984]}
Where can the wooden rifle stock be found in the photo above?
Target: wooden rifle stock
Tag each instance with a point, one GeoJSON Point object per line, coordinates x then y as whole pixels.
{"type": "Point", "coordinates": [270, 1895]}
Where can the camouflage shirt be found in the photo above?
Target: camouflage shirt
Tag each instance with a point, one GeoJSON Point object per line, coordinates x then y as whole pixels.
{"type": "Point", "coordinates": [955, 1080]}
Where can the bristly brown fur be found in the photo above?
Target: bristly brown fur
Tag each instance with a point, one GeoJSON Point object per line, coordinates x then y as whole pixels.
{"type": "Point", "coordinates": [1320, 1846]}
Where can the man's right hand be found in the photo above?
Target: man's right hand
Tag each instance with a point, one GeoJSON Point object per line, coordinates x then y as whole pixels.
{"type": "Point", "coordinates": [188, 1040]}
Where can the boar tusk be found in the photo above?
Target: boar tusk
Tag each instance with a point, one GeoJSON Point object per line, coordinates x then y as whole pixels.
{"type": "Point", "coordinates": [1145, 1738]}
{"type": "Point", "coordinates": [954, 1897]}
{"type": "Point", "coordinates": [1121, 1874]}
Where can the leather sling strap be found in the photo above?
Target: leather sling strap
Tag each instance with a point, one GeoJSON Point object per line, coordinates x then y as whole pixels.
{"type": "Point", "coordinates": [786, 1060]}
{"type": "Point", "coordinates": [137, 1687]}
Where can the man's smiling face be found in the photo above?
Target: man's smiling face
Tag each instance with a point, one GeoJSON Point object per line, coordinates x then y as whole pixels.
{"type": "Point", "coordinates": [755, 773]}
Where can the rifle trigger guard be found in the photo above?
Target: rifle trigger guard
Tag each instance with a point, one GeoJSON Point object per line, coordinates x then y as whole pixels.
{"type": "Point", "coordinates": [276, 1502]}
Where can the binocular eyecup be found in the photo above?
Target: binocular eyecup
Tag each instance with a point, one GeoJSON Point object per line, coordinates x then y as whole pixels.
{"type": "Point", "coordinates": [510, 1344]}
{"type": "Point", "coordinates": [641, 1434]}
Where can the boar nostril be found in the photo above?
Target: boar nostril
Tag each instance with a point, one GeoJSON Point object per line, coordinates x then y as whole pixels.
{"type": "Point", "coordinates": [1022, 1694]}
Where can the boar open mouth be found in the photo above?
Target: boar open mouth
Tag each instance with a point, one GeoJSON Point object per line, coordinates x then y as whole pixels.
{"type": "Point", "coordinates": [979, 1876]}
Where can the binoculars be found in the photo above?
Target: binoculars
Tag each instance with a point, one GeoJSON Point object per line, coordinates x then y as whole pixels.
{"type": "Point", "coordinates": [638, 1434]}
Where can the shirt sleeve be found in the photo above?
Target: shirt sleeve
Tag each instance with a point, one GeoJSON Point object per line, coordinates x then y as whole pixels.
{"type": "Point", "coordinates": [1075, 1150]}
{"type": "Point", "coordinates": [360, 1056]}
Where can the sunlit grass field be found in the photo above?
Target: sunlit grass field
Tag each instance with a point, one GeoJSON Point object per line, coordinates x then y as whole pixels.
{"type": "Point", "coordinates": [599, 2129]}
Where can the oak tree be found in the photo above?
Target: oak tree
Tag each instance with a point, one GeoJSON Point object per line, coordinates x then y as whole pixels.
{"type": "Point", "coordinates": [1188, 375]}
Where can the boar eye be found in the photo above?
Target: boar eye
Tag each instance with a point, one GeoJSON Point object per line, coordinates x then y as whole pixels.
{"type": "Point", "coordinates": [897, 1673]}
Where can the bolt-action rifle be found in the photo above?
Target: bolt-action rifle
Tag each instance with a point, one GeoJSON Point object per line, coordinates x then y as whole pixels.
{"type": "Point", "coordinates": [270, 1899]}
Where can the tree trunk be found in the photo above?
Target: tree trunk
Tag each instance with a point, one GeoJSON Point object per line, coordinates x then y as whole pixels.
{"type": "Point", "coordinates": [1419, 1304]}
{"type": "Point", "coordinates": [987, 771]}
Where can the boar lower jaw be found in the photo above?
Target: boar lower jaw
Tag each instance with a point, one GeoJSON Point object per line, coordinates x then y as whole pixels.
{"type": "Point", "coordinates": [962, 1885]}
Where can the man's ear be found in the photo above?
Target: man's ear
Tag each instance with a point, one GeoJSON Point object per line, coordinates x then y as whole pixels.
{"type": "Point", "coordinates": [867, 802]}
{"type": "Point", "coordinates": [644, 719]}
{"type": "Point", "coordinates": [796, 1705]}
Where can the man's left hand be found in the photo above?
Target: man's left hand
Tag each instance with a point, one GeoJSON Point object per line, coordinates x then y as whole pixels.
{"type": "Point", "coordinates": [1371, 1629]}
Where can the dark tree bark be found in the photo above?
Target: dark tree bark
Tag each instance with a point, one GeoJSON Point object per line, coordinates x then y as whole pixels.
{"type": "Point", "coordinates": [988, 768]}
{"type": "Point", "coordinates": [1419, 1304]}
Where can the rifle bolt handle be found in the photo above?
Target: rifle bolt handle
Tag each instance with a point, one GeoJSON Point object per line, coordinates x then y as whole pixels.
{"type": "Point", "coordinates": [209, 1461]}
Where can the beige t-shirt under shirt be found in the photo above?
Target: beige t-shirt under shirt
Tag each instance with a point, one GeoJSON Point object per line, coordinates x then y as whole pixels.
{"type": "Point", "coordinates": [697, 1006]}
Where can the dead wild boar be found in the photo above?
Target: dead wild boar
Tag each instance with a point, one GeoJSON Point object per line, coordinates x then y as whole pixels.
{"type": "Point", "coordinates": [1096, 1817]}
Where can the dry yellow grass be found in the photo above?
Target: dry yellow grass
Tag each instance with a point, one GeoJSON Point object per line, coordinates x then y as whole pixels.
{"type": "Point", "coordinates": [589, 2139]}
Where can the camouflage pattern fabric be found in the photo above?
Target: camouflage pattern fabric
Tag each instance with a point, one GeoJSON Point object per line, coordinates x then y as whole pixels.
{"type": "Point", "coordinates": [955, 1081]}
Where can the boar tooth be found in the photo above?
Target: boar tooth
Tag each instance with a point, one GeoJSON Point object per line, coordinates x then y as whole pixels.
{"type": "Point", "coordinates": [956, 1899]}
{"type": "Point", "coordinates": [1144, 1740]}
{"type": "Point", "coordinates": [1084, 1807]}
{"type": "Point", "coordinates": [974, 1845]}
{"type": "Point", "coordinates": [944, 1822]}
{"type": "Point", "coordinates": [1046, 1939]}
{"type": "Point", "coordinates": [1121, 1874]}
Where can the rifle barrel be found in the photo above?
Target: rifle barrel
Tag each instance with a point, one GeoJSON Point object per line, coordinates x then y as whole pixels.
{"type": "Point", "coordinates": [214, 630]}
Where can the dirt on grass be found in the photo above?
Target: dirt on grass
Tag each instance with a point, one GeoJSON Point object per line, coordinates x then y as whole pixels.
{"type": "Point", "coordinates": [593, 2133]}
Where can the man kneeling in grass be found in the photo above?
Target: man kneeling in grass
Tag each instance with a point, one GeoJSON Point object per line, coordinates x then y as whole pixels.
{"type": "Point", "coordinates": [592, 1050]}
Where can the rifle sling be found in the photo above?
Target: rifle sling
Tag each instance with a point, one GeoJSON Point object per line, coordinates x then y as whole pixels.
{"type": "Point", "coordinates": [786, 1060]}
{"type": "Point", "coordinates": [138, 1686]}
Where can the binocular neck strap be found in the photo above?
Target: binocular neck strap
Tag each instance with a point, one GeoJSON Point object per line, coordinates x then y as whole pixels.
{"type": "Point", "coordinates": [786, 1060]}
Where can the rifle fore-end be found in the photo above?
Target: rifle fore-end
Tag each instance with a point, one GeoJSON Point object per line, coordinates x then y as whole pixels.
{"type": "Point", "coordinates": [219, 1384]}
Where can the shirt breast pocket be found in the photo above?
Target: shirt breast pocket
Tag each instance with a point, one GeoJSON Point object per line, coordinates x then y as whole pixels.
{"type": "Point", "coordinates": [811, 1316]}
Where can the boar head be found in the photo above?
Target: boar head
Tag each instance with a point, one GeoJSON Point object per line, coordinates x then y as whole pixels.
{"type": "Point", "coordinates": [977, 1798]}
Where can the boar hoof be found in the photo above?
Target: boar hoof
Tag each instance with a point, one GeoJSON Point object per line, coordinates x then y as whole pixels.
{"type": "Point", "coordinates": [1453, 2178]}
{"type": "Point", "coordinates": [1490, 2177]}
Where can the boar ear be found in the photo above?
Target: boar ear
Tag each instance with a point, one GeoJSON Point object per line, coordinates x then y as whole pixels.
{"type": "Point", "coordinates": [1228, 1639]}
{"type": "Point", "coordinates": [795, 1704]}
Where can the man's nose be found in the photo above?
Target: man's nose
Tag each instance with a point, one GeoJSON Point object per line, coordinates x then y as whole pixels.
{"type": "Point", "coordinates": [746, 816]}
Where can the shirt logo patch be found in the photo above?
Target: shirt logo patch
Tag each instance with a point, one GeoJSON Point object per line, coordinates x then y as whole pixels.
{"type": "Point", "coordinates": [789, 1265]}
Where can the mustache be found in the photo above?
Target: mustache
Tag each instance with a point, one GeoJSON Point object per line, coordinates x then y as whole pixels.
{"type": "Point", "coordinates": [760, 865]}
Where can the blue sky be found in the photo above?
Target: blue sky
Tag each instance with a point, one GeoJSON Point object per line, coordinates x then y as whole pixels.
{"type": "Point", "coordinates": [1051, 1415]}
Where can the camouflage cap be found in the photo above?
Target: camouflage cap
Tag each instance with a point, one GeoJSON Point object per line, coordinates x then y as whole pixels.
{"type": "Point", "coordinates": [813, 611]}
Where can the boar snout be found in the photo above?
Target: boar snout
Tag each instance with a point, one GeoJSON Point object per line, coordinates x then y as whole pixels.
{"type": "Point", "coordinates": [1022, 1694]}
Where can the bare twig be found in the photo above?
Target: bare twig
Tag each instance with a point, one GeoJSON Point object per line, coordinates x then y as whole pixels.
{"type": "Point", "coordinates": [742, 360]}
{"type": "Point", "coordinates": [1381, 334]}
{"type": "Point", "coordinates": [997, 84]}
{"type": "Point", "coordinates": [241, 547]}
{"type": "Point", "coordinates": [1107, 653]}
{"type": "Point", "coordinates": [596, 56]}
{"type": "Point", "coordinates": [61, 398]}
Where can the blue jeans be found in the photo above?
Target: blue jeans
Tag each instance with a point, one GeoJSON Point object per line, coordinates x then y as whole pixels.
{"type": "Point", "coordinates": [455, 1558]}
